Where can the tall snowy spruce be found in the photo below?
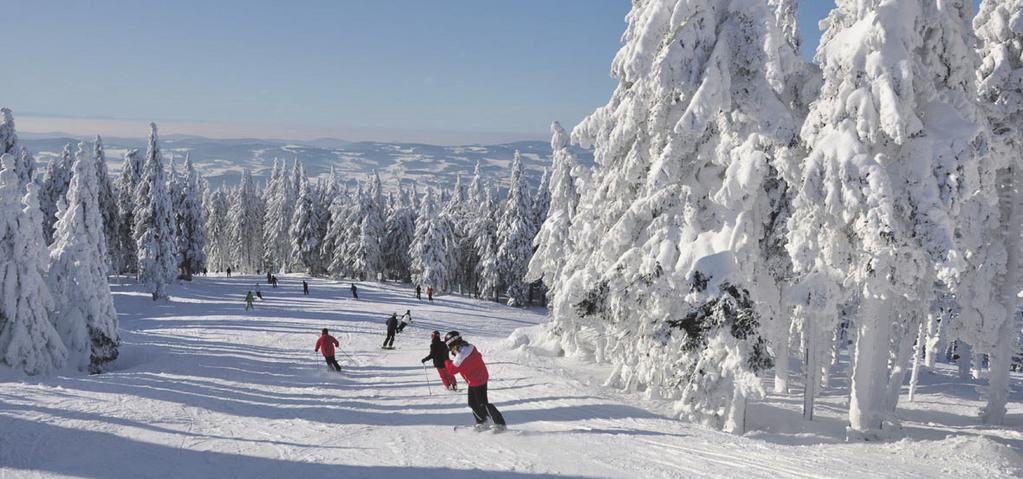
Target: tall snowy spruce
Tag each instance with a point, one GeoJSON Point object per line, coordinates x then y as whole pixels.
{"type": "Point", "coordinates": [552, 243]}
{"type": "Point", "coordinates": [999, 24]}
{"type": "Point", "coordinates": [515, 230]}
{"type": "Point", "coordinates": [191, 224]}
{"type": "Point", "coordinates": [217, 229]}
{"type": "Point", "coordinates": [131, 173]}
{"type": "Point", "coordinates": [245, 220]}
{"type": "Point", "coordinates": [84, 312]}
{"type": "Point", "coordinates": [431, 247]}
{"type": "Point", "coordinates": [108, 207]}
{"type": "Point", "coordinates": [304, 232]}
{"type": "Point", "coordinates": [24, 164]}
{"type": "Point", "coordinates": [401, 228]}
{"type": "Point", "coordinates": [54, 188]}
{"type": "Point", "coordinates": [279, 203]}
{"type": "Point", "coordinates": [484, 233]}
{"type": "Point", "coordinates": [367, 257]}
{"type": "Point", "coordinates": [28, 340]}
{"type": "Point", "coordinates": [154, 228]}
{"type": "Point", "coordinates": [670, 277]}
{"type": "Point", "coordinates": [894, 141]}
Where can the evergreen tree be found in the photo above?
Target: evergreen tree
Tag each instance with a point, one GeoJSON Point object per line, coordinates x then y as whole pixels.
{"type": "Point", "coordinates": [305, 241]}
{"type": "Point", "coordinates": [278, 199]}
{"type": "Point", "coordinates": [217, 230]}
{"type": "Point", "coordinates": [401, 228]}
{"type": "Point", "coordinates": [84, 312]}
{"type": "Point", "coordinates": [552, 241]}
{"type": "Point", "coordinates": [108, 208]}
{"type": "Point", "coordinates": [488, 271]}
{"type": "Point", "coordinates": [431, 263]}
{"type": "Point", "coordinates": [154, 228]}
{"type": "Point", "coordinates": [368, 260]}
{"type": "Point", "coordinates": [515, 236]}
{"type": "Point", "coordinates": [191, 224]}
{"type": "Point", "coordinates": [28, 341]}
{"type": "Point", "coordinates": [131, 173]}
{"type": "Point", "coordinates": [55, 185]}
{"type": "Point", "coordinates": [245, 224]}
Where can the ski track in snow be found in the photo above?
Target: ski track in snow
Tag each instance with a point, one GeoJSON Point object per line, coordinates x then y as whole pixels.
{"type": "Point", "coordinates": [205, 389]}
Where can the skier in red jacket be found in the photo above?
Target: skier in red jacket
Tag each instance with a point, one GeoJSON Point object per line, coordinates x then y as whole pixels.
{"type": "Point", "coordinates": [325, 344]}
{"type": "Point", "coordinates": [469, 363]}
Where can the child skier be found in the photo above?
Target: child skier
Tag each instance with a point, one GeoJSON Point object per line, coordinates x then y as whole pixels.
{"type": "Point", "coordinates": [405, 320]}
{"type": "Point", "coordinates": [439, 354]}
{"type": "Point", "coordinates": [325, 344]}
{"type": "Point", "coordinates": [355, 292]}
{"type": "Point", "coordinates": [429, 293]}
{"type": "Point", "coordinates": [248, 301]}
{"type": "Point", "coordinates": [305, 288]}
{"type": "Point", "coordinates": [392, 326]}
{"type": "Point", "coordinates": [259, 294]}
{"type": "Point", "coordinates": [469, 363]}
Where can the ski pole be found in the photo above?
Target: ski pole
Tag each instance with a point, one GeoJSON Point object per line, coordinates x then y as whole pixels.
{"type": "Point", "coordinates": [349, 356]}
{"type": "Point", "coordinates": [428, 388]}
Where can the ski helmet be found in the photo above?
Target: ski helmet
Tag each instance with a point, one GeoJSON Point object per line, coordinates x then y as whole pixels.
{"type": "Point", "coordinates": [452, 338]}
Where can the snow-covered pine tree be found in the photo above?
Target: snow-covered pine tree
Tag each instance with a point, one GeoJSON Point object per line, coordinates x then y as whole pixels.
{"type": "Point", "coordinates": [431, 261]}
{"type": "Point", "coordinates": [552, 242]}
{"type": "Point", "coordinates": [335, 241]}
{"type": "Point", "coordinates": [131, 172]}
{"type": "Point", "coordinates": [327, 194]}
{"type": "Point", "coordinates": [218, 244]}
{"type": "Point", "coordinates": [304, 232]}
{"type": "Point", "coordinates": [891, 140]}
{"type": "Point", "coordinates": [999, 24]}
{"type": "Point", "coordinates": [28, 341]}
{"type": "Point", "coordinates": [401, 228]}
{"type": "Point", "coordinates": [464, 252]}
{"type": "Point", "coordinates": [539, 207]}
{"type": "Point", "coordinates": [8, 135]}
{"type": "Point", "coordinates": [279, 201]}
{"type": "Point", "coordinates": [108, 207]}
{"type": "Point", "coordinates": [154, 228]}
{"type": "Point", "coordinates": [55, 185]}
{"type": "Point", "coordinates": [191, 239]}
{"type": "Point", "coordinates": [368, 259]}
{"type": "Point", "coordinates": [515, 230]}
{"type": "Point", "coordinates": [84, 312]}
{"type": "Point", "coordinates": [245, 226]}
{"type": "Point", "coordinates": [484, 233]}
{"type": "Point", "coordinates": [667, 279]}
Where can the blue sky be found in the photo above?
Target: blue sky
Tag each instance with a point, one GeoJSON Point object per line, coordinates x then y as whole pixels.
{"type": "Point", "coordinates": [453, 71]}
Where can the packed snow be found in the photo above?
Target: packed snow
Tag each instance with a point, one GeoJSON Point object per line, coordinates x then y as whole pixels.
{"type": "Point", "coordinates": [204, 389]}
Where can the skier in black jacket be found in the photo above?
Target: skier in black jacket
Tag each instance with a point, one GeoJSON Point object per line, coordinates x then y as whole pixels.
{"type": "Point", "coordinates": [392, 326]}
{"type": "Point", "coordinates": [439, 354]}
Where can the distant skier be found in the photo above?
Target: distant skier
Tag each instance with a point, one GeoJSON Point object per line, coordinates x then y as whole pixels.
{"type": "Point", "coordinates": [419, 292]}
{"type": "Point", "coordinates": [305, 288]}
{"type": "Point", "coordinates": [269, 278]}
{"type": "Point", "coordinates": [429, 293]}
{"type": "Point", "coordinates": [405, 320]}
{"type": "Point", "coordinates": [204, 271]}
{"type": "Point", "coordinates": [469, 363]}
{"type": "Point", "coordinates": [273, 280]}
{"type": "Point", "coordinates": [228, 271]}
{"type": "Point", "coordinates": [439, 355]}
{"type": "Point", "coordinates": [392, 326]}
{"type": "Point", "coordinates": [259, 294]}
{"type": "Point", "coordinates": [355, 291]}
{"type": "Point", "coordinates": [248, 301]}
{"type": "Point", "coordinates": [325, 344]}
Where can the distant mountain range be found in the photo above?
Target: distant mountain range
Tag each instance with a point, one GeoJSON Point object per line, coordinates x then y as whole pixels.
{"type": "Point", "coordinates": [221, 161]}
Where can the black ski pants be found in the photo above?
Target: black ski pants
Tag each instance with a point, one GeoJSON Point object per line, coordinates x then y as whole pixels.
{"type": "Point", "coordinates": [332, 363]}
{"type": "Point", "coordinates": [389, 340]}
{"type": "Point", "coordinates": [481, 407]}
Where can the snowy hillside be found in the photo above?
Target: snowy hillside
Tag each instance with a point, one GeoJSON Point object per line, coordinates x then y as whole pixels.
{"type": "Point", "coordinates": [204, 389]}
{"type": "Point", "coordinates": [222, 161]}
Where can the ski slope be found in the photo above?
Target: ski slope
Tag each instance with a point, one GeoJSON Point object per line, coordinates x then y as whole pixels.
{"type": "Point", "coordinates": [206, 389]}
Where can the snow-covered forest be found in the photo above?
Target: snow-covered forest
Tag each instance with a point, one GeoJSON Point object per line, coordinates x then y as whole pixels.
{"type": "Point", "coordinates": [755, 229]}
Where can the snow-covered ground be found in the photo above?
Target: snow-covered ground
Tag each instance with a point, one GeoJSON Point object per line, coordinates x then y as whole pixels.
{"type": "Point", "coordinates": [206, 389]}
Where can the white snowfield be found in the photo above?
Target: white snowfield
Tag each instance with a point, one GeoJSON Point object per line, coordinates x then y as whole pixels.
{"type": "Point", "coordinates": [206, 389]}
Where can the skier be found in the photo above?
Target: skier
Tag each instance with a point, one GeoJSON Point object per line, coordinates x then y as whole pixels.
{"type": "Point", "coordinates": [326, 342]}
{"type": "Point", "coordinates": [228, 271]}
{"type": "Point", "coordinates": [273, 281]}
{"type": "Point", "coordinates": [419, 292]}
{"type": "Point", "coordinates": [248, 301]}
{"type": "Point", "coordinates": [469, 363]}
{"type": "Point", "coordinates": [305, 288]}
{"type": "Point", "coordinates": [392, 325]}
{"type": "Point", "coordinates": [355, 291]}
{"type": "Point", "coordinates": [439, 354]}
{"type": "Point", "coordinates": [259, 294]}
{"type": "Point", "coordinates": [429, 293]}
{"type": "Point", "coordinates": [405, 320]}
{"type": "Point", "coordinates": [269, 278]}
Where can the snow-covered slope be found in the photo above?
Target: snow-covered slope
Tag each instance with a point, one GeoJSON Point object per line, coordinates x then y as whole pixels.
{"type": "Point", "coordinates": [222, 161]}
{"type": "Point", "coordinates": [205, 389]}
